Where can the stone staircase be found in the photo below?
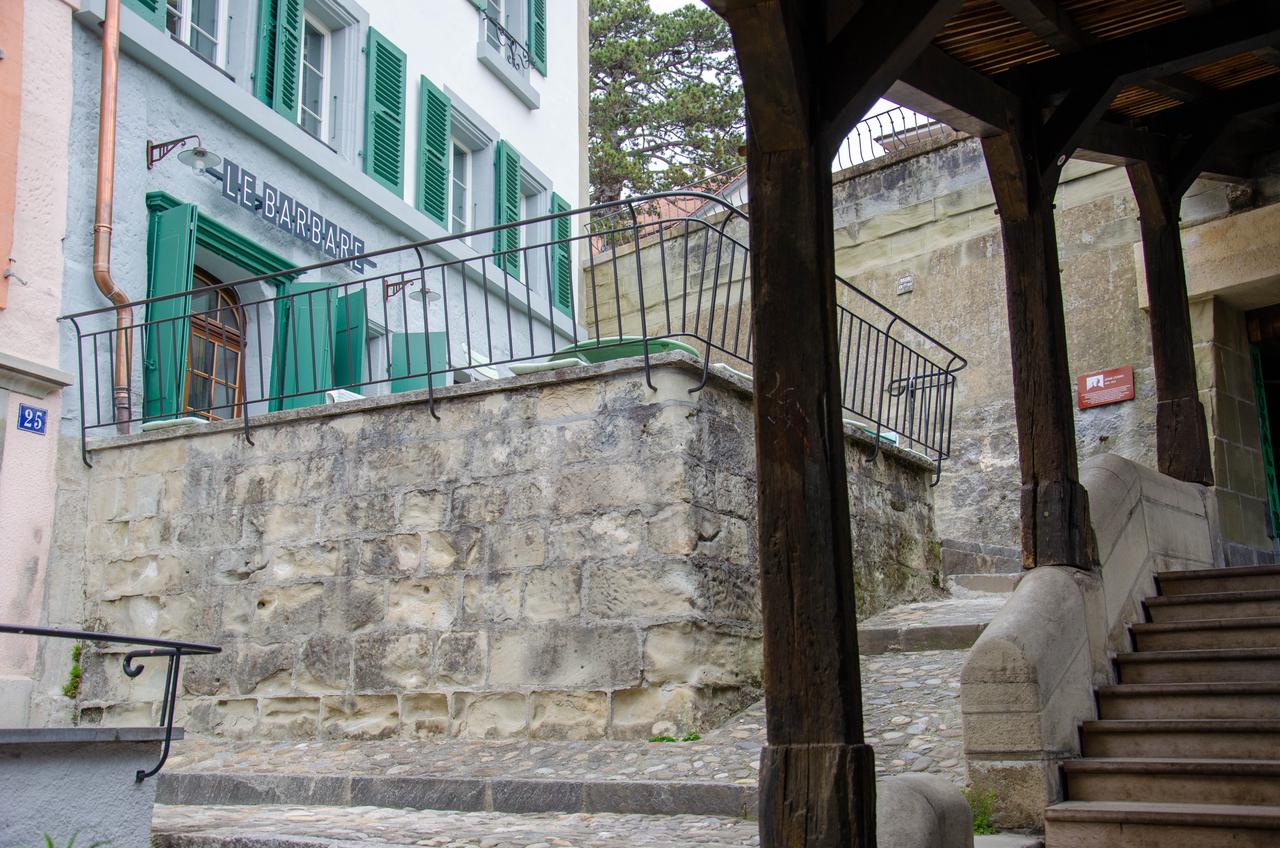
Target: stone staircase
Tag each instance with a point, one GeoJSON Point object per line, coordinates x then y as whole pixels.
{"type": "Point", "coordinates": [1186, 749]}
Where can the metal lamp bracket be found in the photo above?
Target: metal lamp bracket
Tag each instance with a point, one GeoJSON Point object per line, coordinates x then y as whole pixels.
{"type": "Point", "coordinates": [157, 151]}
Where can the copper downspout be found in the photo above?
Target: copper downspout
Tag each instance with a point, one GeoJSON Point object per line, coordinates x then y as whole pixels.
{"type": "Point", "coordinates": [102, 216]}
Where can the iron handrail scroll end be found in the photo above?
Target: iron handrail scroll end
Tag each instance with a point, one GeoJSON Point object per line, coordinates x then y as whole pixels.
{"type": "Point", "coordinates": [172, 650]}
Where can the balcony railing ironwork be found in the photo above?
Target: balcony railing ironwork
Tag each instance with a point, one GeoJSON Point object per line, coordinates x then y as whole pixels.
{"type": "Point", "coordinates": [469, 306]}
{"type": "Point", "coordinates": [502, 40]}
{"type": "Point", "coordinates": [173, 651]}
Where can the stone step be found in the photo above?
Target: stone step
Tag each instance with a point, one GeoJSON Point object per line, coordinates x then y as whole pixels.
{"type": "Point", "coordinates": [983, 584]}
{"type": "Point", "coordinates": [1264, 604]}
{"type": "Point", "coordinates": [1207, 634]}
{"type": "Point", "coordinates": [1214, 666]}
{"type": "Point", "coordinates": [1197, 739]}
{"type": "Point", "coordinates": [1120, 824]}
{"type": "Point", "coordinates": [1189, 701]}
{"type": "Point", "coordinates": [1205, 581]}
{"type": "Point", "coordinates": [464, 794]}
{"type": "Point", "coordinates": [1247, 782]}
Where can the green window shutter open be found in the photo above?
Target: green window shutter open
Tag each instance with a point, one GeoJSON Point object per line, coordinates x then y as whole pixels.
{"type": "Point", "coordinates": [409, 356]}
{"type": "Point", "coordinates": [152, 11]}
{"type": "Point", "coordinates": [288, 58]}
{"type": "Point", "coordinates": [481, 4]}
{"type": "Point", "coordinates": [434, 120]}
{"type": "Point", "coordinates": [350, 339]}
{"type": "Point", "coordinates": [506, 242]}
{"type": "Point", "coordinates": [308, 344]}
{"type": "Point", "coordinates": [384, 111]}
{"type": "Point", "coordinates": [561, 257]}
{"type": "Point", "coordinates": [538, 34]}
{"type": "Point", "coordinates": [264, 74]}
{"type": "Point", "coordinates": [171, 249]}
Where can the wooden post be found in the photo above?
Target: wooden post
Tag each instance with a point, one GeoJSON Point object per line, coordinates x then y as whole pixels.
{"type": "Point", "coordinates": [817, 776]}
{"type": "Point", "coordinates": [1182, 438]}
{"type": "Point", "coordinates": [1055, 507]}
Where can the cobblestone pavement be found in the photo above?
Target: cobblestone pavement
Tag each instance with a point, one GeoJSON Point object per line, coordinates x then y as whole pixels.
{"type": "Point", "coordinates": [979, 609]}
{"type": "Point", "coordinates": [373, 826]}
{"type": "Point", "coordinates": [911, 708]}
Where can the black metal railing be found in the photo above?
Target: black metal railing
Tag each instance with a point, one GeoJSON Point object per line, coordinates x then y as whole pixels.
{"type": "Point", "coordinates": [502, 40]}
{"type": "Point", "coordinates": [174, 651]}
{"type": "Point", "coordinates": [887, 132]}
{"type": "Point", "coordinates": [486, 304]}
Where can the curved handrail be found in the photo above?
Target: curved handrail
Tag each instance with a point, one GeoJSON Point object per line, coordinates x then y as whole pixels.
{"type": "Point", "coordinates": [172, 649]}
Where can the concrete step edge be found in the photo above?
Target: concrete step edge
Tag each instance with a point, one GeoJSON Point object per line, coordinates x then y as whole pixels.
{"type": "Point", "coordinates": [1215, 689]}
{"type": "Point", "coordinates": [928, 637]}
{"type": "Point", "coordinates": [1179, 725]}
{"type": "Point", "coordinates": [1200, 655]}
{"type": "Point", "coordinates": [496, 794]}
{"type": "Point", "coordinates": [1169, 815]}
{"type": "Point", "coordinates": [1209, 573]}
{"type": "Point", "coordinates": [1214, 598]}
{"type": "Point", "coordinates": [1160, 766]}
{"type": "Point", "coordinates": [1205, 624]}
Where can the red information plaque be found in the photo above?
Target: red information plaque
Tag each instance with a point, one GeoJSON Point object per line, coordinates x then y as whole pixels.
{"type": "Point", "coordinates": [1100, 388]}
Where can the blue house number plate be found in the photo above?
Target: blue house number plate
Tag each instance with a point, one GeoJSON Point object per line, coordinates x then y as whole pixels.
{"type": "Point", "coordinates": [33, 419]}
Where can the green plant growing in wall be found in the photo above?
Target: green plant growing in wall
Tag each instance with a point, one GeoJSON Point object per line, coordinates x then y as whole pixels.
{"type": "Point", "coordinates": [981, 804]}
{"type": "Point", "coordinates": [71, 843]}
{"type": "Point", "coordinates": [691, 736]}
{"type": "Point", "coordinates": [72, 688]}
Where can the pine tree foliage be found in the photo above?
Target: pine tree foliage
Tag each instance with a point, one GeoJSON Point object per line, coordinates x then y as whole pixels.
{"type": "Point", "coordinates": [666, 98]}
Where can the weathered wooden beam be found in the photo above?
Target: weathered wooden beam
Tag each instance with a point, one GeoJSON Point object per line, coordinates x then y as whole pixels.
{"type": "Point", "coordinates": [946, 90]}
{"type": "Point", "coordinates": [1179, 87]}
{"type": "Point", "coordinates": [1055, 507]}
{"type": "Point", "coordinates": [1073, 118]}
{"type": "Point", "coordinates": [1168, 49]}
{"type": "Point", "coordinates": [1254, 99]}
{"type": "Point", "coordinates": [864, 58]}
{"type": "Point", "coordinates": [1182, 438]}
{"type": "Point", "coordinates": [1118, 144]}
{"type": "Point", "coordinates": [817, 775]}
{"type": "Point", "coordinates": [1050, 22]}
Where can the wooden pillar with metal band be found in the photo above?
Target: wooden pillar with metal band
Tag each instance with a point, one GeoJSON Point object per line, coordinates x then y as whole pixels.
{"type": "Point", "coordinates": [810, 71]}
{"type": "Point", "coordinates": [1182, 437]}
{"type": "Point", "coordinates": [1055, 507]}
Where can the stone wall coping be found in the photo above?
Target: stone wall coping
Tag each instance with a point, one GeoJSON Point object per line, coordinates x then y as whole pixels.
{"type": "Point", "coordinates": [83, 735]}
{"type": "Point", "coordinates": [721, 377]}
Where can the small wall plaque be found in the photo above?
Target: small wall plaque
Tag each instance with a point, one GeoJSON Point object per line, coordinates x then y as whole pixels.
{"type": "Point", "coordinates": [1099, 388]}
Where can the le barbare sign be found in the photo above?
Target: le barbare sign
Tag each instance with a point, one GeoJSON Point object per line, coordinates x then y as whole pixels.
{"type": "Point", "coordinates": [1099, 388]}
{"type": "Point", "coordinates": [294, 217]}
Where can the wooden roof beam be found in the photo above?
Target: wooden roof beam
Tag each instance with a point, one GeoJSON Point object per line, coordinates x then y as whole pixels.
{"type": "Point", "coordinates": [946, 90]}
{"type": "Point", "coordinates": [1160, 51]}
{"type": "Point", "coordinates": [1049, 22]}
{"type": "Point", "coordinates": [1243, 102]}
{"type": "Point", "coordinates": [864, 58]}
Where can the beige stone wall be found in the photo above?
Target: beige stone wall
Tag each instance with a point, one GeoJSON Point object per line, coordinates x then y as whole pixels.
{"type": "Point", "coordinates": [932, 217]}
{"type": "Point", "coordinates": [1225, 379]}
{"type": "Point", "coordinates": [563, 556]}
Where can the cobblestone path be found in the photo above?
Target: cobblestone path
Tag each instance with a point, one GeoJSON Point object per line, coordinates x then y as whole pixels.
{"type": "Point", "coordinates": [374, 827]}
{"type": "Point", "coordinates": [910, 700]}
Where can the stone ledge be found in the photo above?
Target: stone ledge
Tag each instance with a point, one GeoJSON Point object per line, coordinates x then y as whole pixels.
{"type": "Point", "coordinates": [83, 735]}
{"type": "Point", "coordinates": [500, 795]}
{"type": "Point", "coordinates": [31, 378]}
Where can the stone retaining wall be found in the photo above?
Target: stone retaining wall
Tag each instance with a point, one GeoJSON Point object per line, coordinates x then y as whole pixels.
{"type": "Point", "coordinates": [559, 556]}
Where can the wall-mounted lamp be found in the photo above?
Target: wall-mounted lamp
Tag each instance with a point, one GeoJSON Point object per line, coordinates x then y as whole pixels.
{"type": "Point", "coordinates": [199, 158]}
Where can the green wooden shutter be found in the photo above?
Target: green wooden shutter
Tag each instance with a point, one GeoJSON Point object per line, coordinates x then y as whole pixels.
{"type": "Point", "coordinates": [506, 242]}
{"type": "Point", "coordinates": [561, 256]}
{"type": "Point", "coordinates": [171, 258]}
{"type": "Point", "coordinates": [288, 58]}
{"type": "Point", "coordinates": [384, 110]}
{"type": "Point", "coordinates": [350, 339]}
{"type": "Point", "coordinates": [434, 119]}
{"type": "Point", "coordinates": [264, 75]}
{"type": "Point", "coordinates": [1264, 429]}
{"type": "Point", "coordinates": [409, 356]}
{"type": "Point", "coordinates": [152, 11]}
{"type": "Point", "coordinates": [308, 344]}
{"type": "Point", "coordinates": [538, 34]}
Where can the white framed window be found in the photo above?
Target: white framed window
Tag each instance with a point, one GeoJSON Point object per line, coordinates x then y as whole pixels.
{"type": "Point", "coordinates": [313, 80]}
{"type": "Point", "coordinates": [459, 189]}
{"type": "Point", "coordinates": [201, 25]}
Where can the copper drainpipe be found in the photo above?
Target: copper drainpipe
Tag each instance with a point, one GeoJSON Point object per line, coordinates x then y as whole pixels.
{"type": "Point", "coordinates": [102, 216]}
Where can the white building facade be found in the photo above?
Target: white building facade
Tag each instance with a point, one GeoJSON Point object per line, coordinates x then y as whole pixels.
{"type": "Point", "coordinates": [328, 128]}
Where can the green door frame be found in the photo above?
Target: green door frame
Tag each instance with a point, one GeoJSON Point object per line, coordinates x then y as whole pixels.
{"type": "Point", "coordinates": [1264, 433]}
{"type": "Point", "coordinates": [220, 239]}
